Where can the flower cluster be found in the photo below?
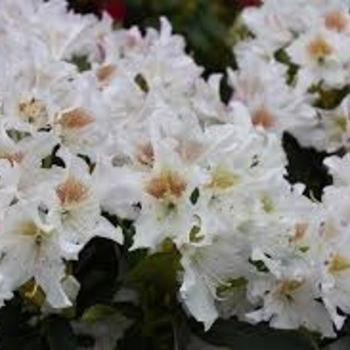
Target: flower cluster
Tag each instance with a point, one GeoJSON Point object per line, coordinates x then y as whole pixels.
{"type": "Point", "coordinates": [293, 76]}
{"type": "Point", "coordinates": [294, 69]}
{"type": "Point", "coordinates": [98, 121]}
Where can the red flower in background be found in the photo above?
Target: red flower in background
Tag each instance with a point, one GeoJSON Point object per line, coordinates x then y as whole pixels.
{"type": "Point", "coordinates": [115, 8]}
{"type": "Point", "coordinates": [246, 3]}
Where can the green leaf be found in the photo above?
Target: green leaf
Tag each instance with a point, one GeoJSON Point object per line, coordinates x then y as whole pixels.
{"type": "Point", "coordinates": [341, 344]}
{"type": "Point", "coordinates": [242, 336]}
{"type": "Point", "coordinates": [59, 334]}
{"type": "Point", "coordinates": [97, 312]}
{"type": "Point", "coordinates": [141, 82]}
{"type": "Point", "coordinates": [158, 270]}
{"type": "Point", "coordinates": [330, 99]}
{"type": "Point", "coordinates": [129, 310]}
{"type": "Point", "coordinates": [30, 342]}
{"type": "Point", "coordinates": [134, 339]}
{"type": "Point", "coordinates": [195, 235]}
{"type": "Point", "coordinates": [181, 332]}
{"type": "Point", "coordinates": [97, 271]}
{"type": "Point", "coordinates": [82, 63]}
{"type": "Point", "coordinates": [305, 165]}
{"type": "Point", "coordinates": [259, 265]}
{"type": "Point", "coordinates": [194, 196]}
{"type": "Point", "coordinates": [155, 279]}
{"type": "Point", "coordinates": [15, 331]}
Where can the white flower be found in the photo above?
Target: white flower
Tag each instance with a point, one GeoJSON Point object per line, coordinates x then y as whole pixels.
{"type": "Point", "coordinates": [268, 24]}
{"type": "Point", "coordinates": [167, 210]}
{"type": "Point", "coordinates": [207, 100]}
{"type": "Point", "coordinates": [22, 173]}
{"type": "Point", "coordinates": [339, 168]}
{"type": "Point", "coordinates": [336, 260]}
{"type": "Point", "coordinates": [336, 279]}
{"type": "Point", "coordinates": [335, 126]}
{"type": "Point", "coordinates": [83, 125]}
{"type": "Point", "coordinates": [287, 292]}
{"type": "Point", "coordinates": [30, 248]}
{"type": "Point", "coordinates": [45, 21]}
{"type": "Point", "coordinates": [75, 208]}
{"type": "Point", "coordinates": [272, 104]}
{"type": "Point", "coordinates": [210, 272]}
{"type": "Point", "coordinates": [320, 53]}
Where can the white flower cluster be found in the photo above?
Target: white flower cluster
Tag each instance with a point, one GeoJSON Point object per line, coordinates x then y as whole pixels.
{"type": "Point", "coordinates": [293, 75]}
{"type": "Point", "coordinates": [141, 135]}
{"type": "Point", "coordinates": [294, 70]}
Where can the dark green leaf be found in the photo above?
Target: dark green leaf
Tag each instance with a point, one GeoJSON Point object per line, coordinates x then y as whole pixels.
{"type": "Point", "coordinates": [194, 196]}
{"type": "Point", "coordinates": [97, 271]}
{"type": "Point", "coordinates": [241, 336]}
{"type": "Point", "coordinates": [97, 312]}
{"type": "Point", "coordinates": [31, 342]}
{"type": "Point", "coordinates": [305, 165]}
{"type": "Point", "coordinates": [15, 332]}
{"type": "Point", "coordinates": [59, 334]}
{"type": "Point", "coordinates": [181, 333]}
{"type": "Point", "coordinates": [157, 270]}
{"type": "Point", "coordinates": [81, 62]}
{"type": "Point", "coordinates": [141, 82]}
{"type": "Point", "coordinates": [341, 344]}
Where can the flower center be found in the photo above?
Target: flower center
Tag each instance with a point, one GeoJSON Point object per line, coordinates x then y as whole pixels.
{"type": "Point", "coordinates": [71, 191]}
{"type": "Point", "coordinates": [145, 154]}
{"type": "Point", "coordinates": [288, 287]}
{"type": "Point", "coordinates": [75, 119]}
{"type": "Point", "coordinates": [262, 117]}
{"type": "Point", "coordinates": [299, 232]}
{"type": "Point", "coordinates": [33, 111]}
{"type": "Point", "coordinates": [319, 49]}
{"type": "Point", "coordinates": [338, 264]}
{"type": "Point", "coordinates": [222, 178]}
{"type": "Point", "coordinates": [13, 158]}
{"type": "Point", "coordinates": [166, 184]}
{"type": "Point", "coordinates": [335, 21]}
{"type": "Point", "coordinates": [105, 72]}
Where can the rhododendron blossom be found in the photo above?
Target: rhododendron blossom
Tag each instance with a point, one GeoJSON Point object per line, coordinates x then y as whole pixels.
{"type": "Point", "coordinates": [138, 134]}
